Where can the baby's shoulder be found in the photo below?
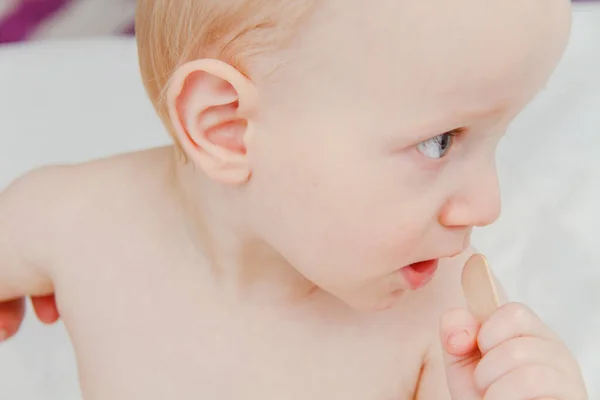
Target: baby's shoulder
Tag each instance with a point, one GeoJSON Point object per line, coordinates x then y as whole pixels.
{"type": "Point", "coordinates": [88, 201]}
{"type": "Point", "coordinates": [126, 174]}
{"type": "Point", "coordinates": [86, 189]}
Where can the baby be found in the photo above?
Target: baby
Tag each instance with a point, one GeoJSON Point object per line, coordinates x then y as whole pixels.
{"type": "Point", "coordinates": [304, 236]}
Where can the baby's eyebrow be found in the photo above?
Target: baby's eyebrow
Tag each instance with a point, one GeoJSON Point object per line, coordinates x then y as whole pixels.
{"type": "Point", "coordinates": [485, 113]}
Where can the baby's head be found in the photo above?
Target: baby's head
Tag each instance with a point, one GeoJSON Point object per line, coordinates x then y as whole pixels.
{"type": "Point", "coordinates": [358, 138]}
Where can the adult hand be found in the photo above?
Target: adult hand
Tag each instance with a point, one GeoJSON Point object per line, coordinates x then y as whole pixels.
{"type": "Point", "coordinates": [12, 314]}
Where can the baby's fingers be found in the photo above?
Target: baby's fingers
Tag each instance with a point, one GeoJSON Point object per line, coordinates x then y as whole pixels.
{"type": "Point", "coordinates": [511, 321]}
{"type": "Point", "coordinates": [518, 352]}
{"type": "Point", "coordinates": [11, 316]}
{"type": "Point", "coordinates": [532, 381]}
{"type": "Point", "coordinates": [45, 308]}
{"type": "Point", "coordinates": [458, 333]}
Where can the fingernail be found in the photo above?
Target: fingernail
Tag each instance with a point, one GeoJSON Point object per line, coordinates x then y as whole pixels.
{"type": "Point", "coordinates": [458, 339]}
{"type": "Point", "coordinates": [3, 335]}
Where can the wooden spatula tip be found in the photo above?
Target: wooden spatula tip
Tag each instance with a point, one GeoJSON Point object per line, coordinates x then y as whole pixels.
{"type": "Point", "coordinates": [478, 287]}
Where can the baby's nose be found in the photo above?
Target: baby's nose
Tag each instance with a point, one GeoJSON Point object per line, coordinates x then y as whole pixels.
{"type": "Point", "coordinates": [478, 204]}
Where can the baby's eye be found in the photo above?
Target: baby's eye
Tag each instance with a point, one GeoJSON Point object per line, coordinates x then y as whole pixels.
{"type": "Point", "coordinates": [437, 147]}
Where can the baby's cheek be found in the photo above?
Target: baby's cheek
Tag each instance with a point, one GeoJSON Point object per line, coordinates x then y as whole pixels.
{"type": "Point", "coordinates": [371, 253]}
{"type": "Point", "coordinates": [393, 237]}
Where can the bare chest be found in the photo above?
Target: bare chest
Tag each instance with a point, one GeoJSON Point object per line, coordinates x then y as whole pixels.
{"type": "Point", "coordinates": [164, 336]}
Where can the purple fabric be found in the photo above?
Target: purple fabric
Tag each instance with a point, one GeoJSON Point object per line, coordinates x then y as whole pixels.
{"type": "Point", "coordinates": [26, 18]}
{"type": "Point", "coordinates": [129, 30]}
{"type": "Point", "coordinates": [20, 22]}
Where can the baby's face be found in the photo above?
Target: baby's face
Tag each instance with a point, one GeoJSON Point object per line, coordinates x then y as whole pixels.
{"type": "Point", "coordinates": [375, 144]}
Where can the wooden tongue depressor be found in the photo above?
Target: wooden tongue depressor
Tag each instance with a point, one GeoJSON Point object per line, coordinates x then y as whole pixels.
{"type": "Point", "coordinates": [479, 289]}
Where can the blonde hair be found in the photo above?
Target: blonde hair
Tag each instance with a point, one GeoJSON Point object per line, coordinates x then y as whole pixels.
{"type": "Point", "coordinates": [171, 33]}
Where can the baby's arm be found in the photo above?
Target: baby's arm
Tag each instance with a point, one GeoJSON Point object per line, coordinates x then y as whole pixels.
{"type": "Point", "coordinates": [27, 213]}
{"type": "Point", "coordinates": [29, 216]}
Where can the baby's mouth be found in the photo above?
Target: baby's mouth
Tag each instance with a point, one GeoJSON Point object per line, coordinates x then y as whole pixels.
{"type": "Point", "coordinates": [420, 274]}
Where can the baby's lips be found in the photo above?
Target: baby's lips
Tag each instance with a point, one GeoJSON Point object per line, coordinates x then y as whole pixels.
{"type": "Point", "coordinates": [419, 274]}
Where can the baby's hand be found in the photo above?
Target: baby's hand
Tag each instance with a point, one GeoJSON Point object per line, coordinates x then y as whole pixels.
{"type": "Point", "coordinates": [512, 356]}
{"type": "Point", "coordinates": [13, 312]}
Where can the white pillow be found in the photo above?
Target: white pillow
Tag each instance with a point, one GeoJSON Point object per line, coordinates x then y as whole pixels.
{"type": "Point", "coordinates": [70, 101]}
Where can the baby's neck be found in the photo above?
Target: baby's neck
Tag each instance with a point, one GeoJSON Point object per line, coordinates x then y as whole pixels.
{"type": "Point", "coordinates": [242, 265]}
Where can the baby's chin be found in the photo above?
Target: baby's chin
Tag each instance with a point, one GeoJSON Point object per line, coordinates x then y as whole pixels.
{"type": "Point", "coordinates": [390, 292]}
{"type": "Point", "coordinates": [392, 300]}
{"type": "Point", "coordinates": [374, 303]}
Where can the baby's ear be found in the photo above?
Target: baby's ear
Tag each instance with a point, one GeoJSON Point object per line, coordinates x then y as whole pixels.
{"type": "Point", "coordinates": [210, 104]}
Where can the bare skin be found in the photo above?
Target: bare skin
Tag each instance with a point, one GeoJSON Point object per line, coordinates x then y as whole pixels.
{"type": "Point", "coordinates": [152, 297]}
{"type": "Point", "coordinates": [269, 265]}
{"type": "Point", "coordinates": [148, 295]}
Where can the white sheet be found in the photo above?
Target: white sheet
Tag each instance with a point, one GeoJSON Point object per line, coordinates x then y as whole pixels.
{"type": "Point", "coordinates": [76, 100]}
